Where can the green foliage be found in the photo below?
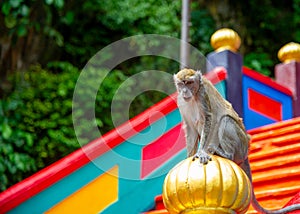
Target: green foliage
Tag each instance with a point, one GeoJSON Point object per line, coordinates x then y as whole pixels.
{"type": "Point", "coordinates": [21, 16]}
{"type": "Point", "coordinates": [268, 27]}
{"type": "Point", "coordinates": [152, 16]}
{"type": "Point", "coordinates": [15, 145]}
{"type": "Point", "coordinates": [104, 23]}
{"type": "Point", "coordinates": [260, 62]}
{"type": "Point", "coordinates": [203, 26]}
{"type": "Point", "coordinates": [99, 102]}
{"type": "Point", "coordinates": [45, 112]}
{"type": "Point", "coordinates": [16, 15]}
{"type": "Point", "coordinates": [296, 20]}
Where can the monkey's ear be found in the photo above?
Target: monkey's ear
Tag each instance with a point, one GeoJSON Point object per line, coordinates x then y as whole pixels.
{"type": "Point", "coordinates": [198, 74]}
{"type": "Point", "coordinates": [174, 77]}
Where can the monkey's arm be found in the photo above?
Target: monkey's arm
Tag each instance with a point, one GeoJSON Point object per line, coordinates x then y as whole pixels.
{"type": "Point", "coordinates": [202, 153]}
{"type": "Point", "coordinates": [192, 138]}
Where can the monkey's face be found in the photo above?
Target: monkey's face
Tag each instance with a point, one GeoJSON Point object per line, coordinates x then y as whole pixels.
{"type": "Point", "coordinates": [187, 83]}
{"type": "Point", "coordinates": [186, 89]}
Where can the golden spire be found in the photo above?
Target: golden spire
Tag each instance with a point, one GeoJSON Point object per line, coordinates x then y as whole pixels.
{"type": "Point", "coordinates": [220, 186]}
{"type": "Point", "coordinates": [225, 39]}
{"type": "Point", "coordinates": [289, 52]}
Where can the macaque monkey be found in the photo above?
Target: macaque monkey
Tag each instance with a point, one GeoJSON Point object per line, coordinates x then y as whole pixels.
{"type": "Point", "coordinates": [213, 127]}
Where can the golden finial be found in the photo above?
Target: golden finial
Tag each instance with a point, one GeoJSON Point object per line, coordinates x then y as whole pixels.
{"type": "Point", "coordinates": [220, 186]}
{"type": "Point", "coordinates": [225, 39]}
{"type": "Point", "coordinates": [289, 52]}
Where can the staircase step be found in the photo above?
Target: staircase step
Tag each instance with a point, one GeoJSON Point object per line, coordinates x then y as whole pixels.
{"type": "Point", "coordinates": [279, 162]}
{"type": "Point", "coordinates": [273, 152]}
{"type": "Point", "coordinates": [271, 193]}
{"type": "Point", "coordinates": [274, 142]}
{"type": "Point", "coordinates": [275, 126]}
{"type": "Point", "coordinates": [276, 133]}
{"type": "Point", "coordinates": [274, 175]}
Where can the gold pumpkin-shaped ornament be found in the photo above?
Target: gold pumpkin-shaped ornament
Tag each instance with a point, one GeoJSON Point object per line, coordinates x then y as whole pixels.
{"type": "Point", "coordinates": [220, 186]}
{"type": "Point", "coordinates": [289, 52]}
{"type": "Point", "coordinates": [225, 39]}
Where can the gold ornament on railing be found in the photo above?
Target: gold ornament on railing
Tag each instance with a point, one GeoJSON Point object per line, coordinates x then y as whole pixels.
{"type": "Point", "coordinates": [225, 39]}
{"type": "Point", "coordinates": [220, 186]}
{"type": "Point", "coordinates": [289, 52]}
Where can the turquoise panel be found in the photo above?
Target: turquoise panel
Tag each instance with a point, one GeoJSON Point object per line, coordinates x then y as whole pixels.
{"type": "Point", "coordinates": [138, 197]}
{"type": "Point", "coordinates": [221, 87]}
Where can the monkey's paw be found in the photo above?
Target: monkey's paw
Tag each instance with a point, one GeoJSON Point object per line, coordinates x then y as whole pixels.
{"type": "Point", "coordinates": [203, 157]}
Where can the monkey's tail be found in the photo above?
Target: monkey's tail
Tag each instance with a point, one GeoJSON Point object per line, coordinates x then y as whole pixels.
{"type": "Point", "coordinates": [262, 210]}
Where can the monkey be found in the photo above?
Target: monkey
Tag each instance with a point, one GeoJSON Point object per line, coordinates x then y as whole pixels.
{"type": "Point", "coordinates": [212, 127]}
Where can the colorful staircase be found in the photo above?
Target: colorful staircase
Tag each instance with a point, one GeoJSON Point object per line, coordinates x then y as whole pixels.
{"type": "Point", "coordinates": [275, 160]}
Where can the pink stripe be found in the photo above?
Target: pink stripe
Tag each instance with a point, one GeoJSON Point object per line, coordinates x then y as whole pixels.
{"type": "Point", "coordinates": [217, 75]}
{"type": "Point", "coordinates": [161, 150]}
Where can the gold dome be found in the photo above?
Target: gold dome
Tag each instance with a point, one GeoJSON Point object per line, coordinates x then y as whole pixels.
{"type": "Point", "coordinates": [220, 187]}
{"type": "Point", "coordinates": [289, 52]}
{"type": "Point", "coordinates": [225, 39]}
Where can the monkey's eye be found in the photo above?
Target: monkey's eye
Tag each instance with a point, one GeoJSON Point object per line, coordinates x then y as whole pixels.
{"type": "Point", "coordinates": [189, 82]}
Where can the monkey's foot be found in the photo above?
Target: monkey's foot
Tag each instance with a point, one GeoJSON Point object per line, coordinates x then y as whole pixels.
{"type": "Point", "coordinates": [203, 157]}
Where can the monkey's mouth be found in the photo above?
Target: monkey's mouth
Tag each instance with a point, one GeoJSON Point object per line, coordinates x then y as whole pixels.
{"type": "Point", "coordinates": [187, 99]}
